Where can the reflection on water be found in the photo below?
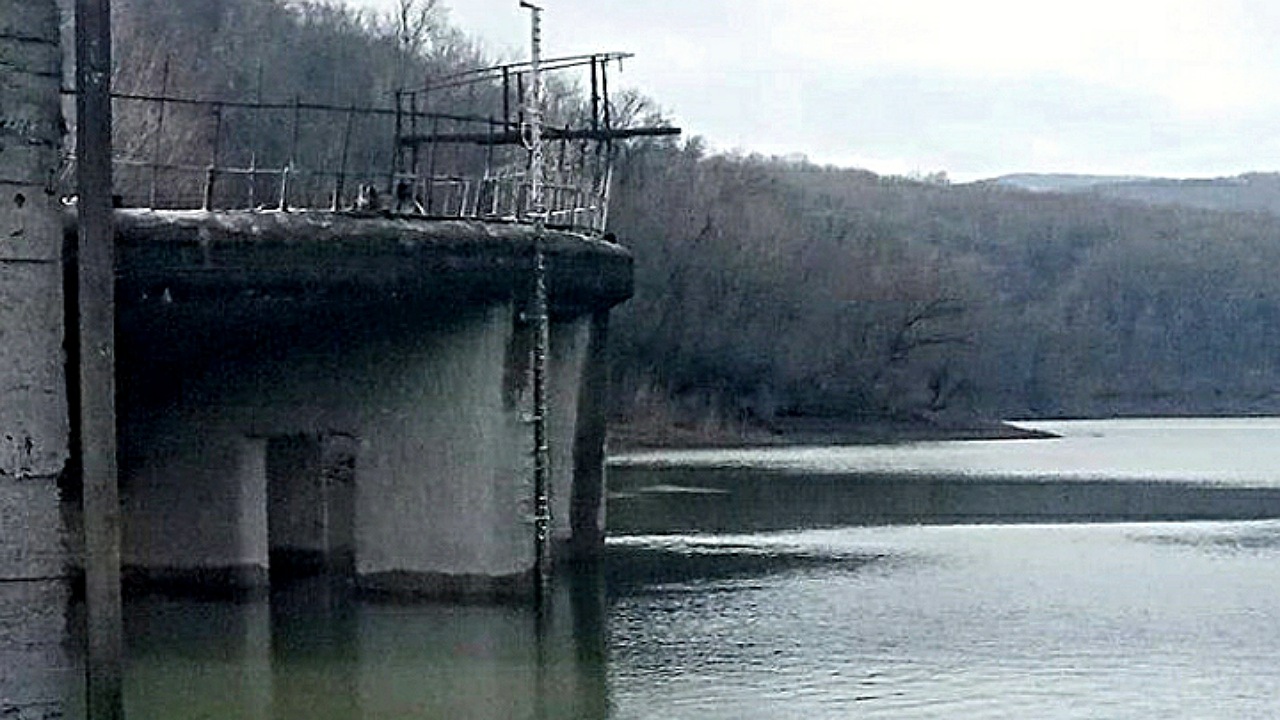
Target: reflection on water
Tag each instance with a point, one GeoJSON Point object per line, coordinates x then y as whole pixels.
{"type": "Point", "coordinates": [314, 651]}
{"type": "Point", "coordinates": [1079, 621]}
{"type": "Point", "coordinates": [789, 591]}
{"type": "Point", "coordinates": [1045, 621]}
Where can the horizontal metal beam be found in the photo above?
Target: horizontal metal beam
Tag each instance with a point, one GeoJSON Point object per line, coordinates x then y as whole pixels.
{"type": "Point", "coordinates": [301, 105]}
{"type": "Point", "coordinates": [468, 77]}
{"type": "Point", "coordinates": [511, 137]}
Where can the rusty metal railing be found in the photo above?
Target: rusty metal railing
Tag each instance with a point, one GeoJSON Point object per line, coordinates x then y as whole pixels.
{"type": "Point", "coordinates": [183, 153]}
{"type": "Point", "coordinates": [409, 160]}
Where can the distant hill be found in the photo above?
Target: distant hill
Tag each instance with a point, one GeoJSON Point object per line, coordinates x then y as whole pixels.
{"type": "Point", "coordinates": [1251, 192]}
{"type": "Point", "coordinates": [1058, 182]}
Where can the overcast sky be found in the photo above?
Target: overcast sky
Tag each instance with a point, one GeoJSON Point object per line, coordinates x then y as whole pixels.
{"type": "Point", "coordinates": [1184, 88]}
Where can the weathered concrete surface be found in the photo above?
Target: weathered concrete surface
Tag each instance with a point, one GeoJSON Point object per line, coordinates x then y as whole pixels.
{"type": "Point", "coordinates": [196, 511]}
{"type": "Point", "coordinates": [37, 669]}
{"type": "Point", "coordinates": [440, 476]}
{"type": "Point", "coordinates": [442, 483]}
{"type": "Point", "coordinates": [567, 358]}
{"type": "Point", "coordinates": [310, 505]}
{"type": "Point", "coordinates": [587, 505]}
{"type": "Point", "coordinates": [33, 433]}
{"type": "Point", "coordinates": [319, 256]}
{"type": "Point", "coordinates": [244, 338]}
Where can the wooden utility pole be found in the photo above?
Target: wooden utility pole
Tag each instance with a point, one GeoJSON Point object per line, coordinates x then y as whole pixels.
{"type": "Point", "coordinates": [95, 277]}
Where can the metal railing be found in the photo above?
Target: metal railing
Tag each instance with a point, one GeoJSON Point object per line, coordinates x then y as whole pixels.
{"type": "Point", "coordinates": [184, 153]}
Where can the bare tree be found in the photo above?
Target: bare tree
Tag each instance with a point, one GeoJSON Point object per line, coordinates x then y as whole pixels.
{"type": "Point", "coordinates": [415, 22]}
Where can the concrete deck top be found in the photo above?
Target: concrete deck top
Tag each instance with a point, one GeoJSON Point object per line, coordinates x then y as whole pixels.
{"type": "Point", "coordinates": [324, 254]}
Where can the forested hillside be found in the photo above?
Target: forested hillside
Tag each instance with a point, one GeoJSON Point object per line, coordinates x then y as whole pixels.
{"type": "Point", "coordinates": [768, 289]}
{"type": "Point", "coordinates": [1249, 192]}
{"type": "Point", "coordinates": [773, 288]}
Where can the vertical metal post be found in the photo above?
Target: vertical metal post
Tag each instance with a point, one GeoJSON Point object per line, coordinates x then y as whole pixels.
{"type": "Point", "coordinates": [604, 94]}
{"type": "Point", "coordinates": [339, 186]}
{"type": "Point", "coordinates": [396, 147]}
{"type": "Point", "coordinates": [289, 169]}
{"type": "Point", "coordinates": [506, 98]}
{"type": "Point", "coordinates": [211, 176]}
{"type": "Point", "coordinates": [488, 150]}
{"type": "Point", "coordinates": [608, 151]}
{"type": "Point", "coordinates": [253, 151]}
{"type": "Point", "coordinates": [603, 216]}
{"type": "Point", "coordinates": [430, 182]}
{"type": "Point", "coordinates": [541, 451]}
{"type": "Point", "coordinates": [95, 279]}
{"type": "Point", "coordinates": [595, 96]}
{"type": "Point", "coordinates": [520, 98]}
{"type": "Point", "coordinates": [415, 152]}
{"type": "Point", "coordinates": [155, 150]}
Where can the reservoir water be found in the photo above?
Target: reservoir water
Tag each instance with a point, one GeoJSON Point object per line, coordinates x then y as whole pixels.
{"type": "Point", "coordinates": [1127, 570]}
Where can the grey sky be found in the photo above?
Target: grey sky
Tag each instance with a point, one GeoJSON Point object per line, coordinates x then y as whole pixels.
{"type": "Point", "coordinates": [975, 88]}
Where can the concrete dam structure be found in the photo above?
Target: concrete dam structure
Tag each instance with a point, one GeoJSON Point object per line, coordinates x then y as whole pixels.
{"type": "Point", "coordinates": [316, 390]}
{"type": "Point", "coordinates": [307, 381]}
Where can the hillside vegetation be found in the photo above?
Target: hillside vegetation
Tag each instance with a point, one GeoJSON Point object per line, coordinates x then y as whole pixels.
{"type": "Point", "coordinates": [768, 290]}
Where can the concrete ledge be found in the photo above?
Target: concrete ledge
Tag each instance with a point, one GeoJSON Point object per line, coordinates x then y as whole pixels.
{"type": "Point", "coordinates": [337, 254]}
{"type": "Point", "coordinates": [443, 586]}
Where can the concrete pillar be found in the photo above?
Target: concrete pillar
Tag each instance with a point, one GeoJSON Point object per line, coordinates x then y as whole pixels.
{"type": "Point", "coordinates": [443, 495]}
{"type": "Point", "coordinates": [569, 340]}
{"type": "Point", "coordinates": [587, 505]}
{"type": "Point", "coordinates": [309, 505]}
{"type": "Point", "coordinates": [297, 525]}
{"type": "Point", "coordinates": [197, 511]}
{"type": "Point", "coordinates": [37, 673]}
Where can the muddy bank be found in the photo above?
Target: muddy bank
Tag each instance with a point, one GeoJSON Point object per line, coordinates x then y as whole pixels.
{"type": "Point", "coordinates": [870, 430]}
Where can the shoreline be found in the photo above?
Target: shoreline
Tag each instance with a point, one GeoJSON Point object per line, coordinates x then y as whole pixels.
{"type": "Point", "coordinates": [814, 431]}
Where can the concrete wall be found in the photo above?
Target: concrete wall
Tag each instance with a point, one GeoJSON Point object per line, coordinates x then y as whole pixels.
{"type": "Point", "coordinates": [37, 672]}
{"type": "Point", "coordinates": [432, 413]}
{"type": "Point", "coordinates": [310, 504]}
{"type": "Point", "coordinates": [442, 446]}
{"type": "Point", "coordinates": [442, 480]}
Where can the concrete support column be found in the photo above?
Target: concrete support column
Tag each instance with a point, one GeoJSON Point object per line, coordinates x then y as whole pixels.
{"type": "Point", "coordinates": [443, 498]}
{"type": "Point", "coordinates": [309, 504]}
{"type": "Point", "coordinates": [569, 344]}
{"type": "Point", "coordinates": [37, 673]}
{"type": "Point", "coordinates": [197, 511]}
{"type": "Point", "coordinates": [587, 504]}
